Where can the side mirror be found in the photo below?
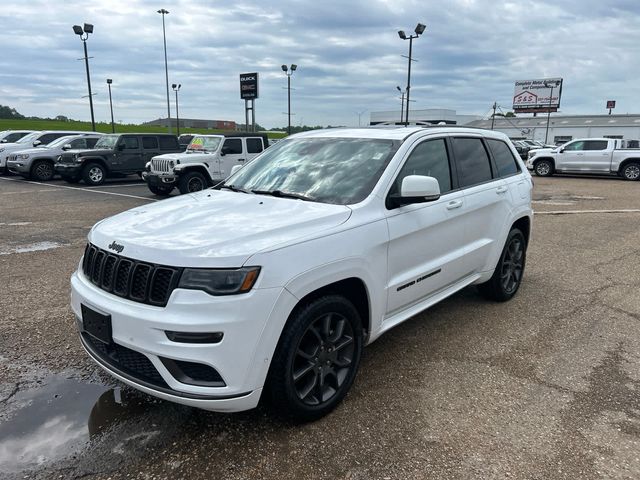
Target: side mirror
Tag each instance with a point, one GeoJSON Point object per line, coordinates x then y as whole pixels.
{"type": "Point", "coordinates": [120, 146]}
{"type": "Point", "coordinates": [4, 140]}
{"type": "Point", "coordinates": [36, 143]}
{"type": "Point", "coordinates": [561, 150]}
{"type": "Point", "coordinates": [234, 169]}
{"type": "Point", "coordinates": [416, 189]}
{"type": "Point", "coordinates": [66, 146]}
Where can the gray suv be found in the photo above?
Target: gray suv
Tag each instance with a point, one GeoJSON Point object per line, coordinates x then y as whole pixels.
{"type": "Point", "coordinates": [38, 163]}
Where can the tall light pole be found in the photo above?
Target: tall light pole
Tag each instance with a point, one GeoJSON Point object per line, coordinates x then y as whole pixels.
{"type": "Point", "coordinates": [176, 88]}
{"type": "Point", "coordinates": [360, 115]}
{"type": "Point", "coordinates": [164, 12]}
{"type": "Point", "coordinates": [551, 85]}
{"type": "Point", "coordinates": [402, 107]}
{"type": "Point", "coordinates": [288, 72]}
{"type": "Point", "coordinates": [493, 117]}
{"type": "Point", "coordinates": [84, 32]}
{"type": "Point", "coordinates": [113, 127]}
{"type": "Point", "coordinates": [419, 30]}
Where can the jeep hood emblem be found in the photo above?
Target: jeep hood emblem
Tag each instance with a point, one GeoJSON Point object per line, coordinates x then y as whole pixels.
{"type": "Point", "coordinates": [116, 247]}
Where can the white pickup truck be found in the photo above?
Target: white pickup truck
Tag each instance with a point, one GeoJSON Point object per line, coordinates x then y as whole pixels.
{"type": "Point", "coordinates": [207, 161]}
{"type": "Point", "coordinates": [588, 155]}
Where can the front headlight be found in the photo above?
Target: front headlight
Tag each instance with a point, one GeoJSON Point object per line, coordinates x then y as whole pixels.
{"type": "Point", "coordinates": [23, 156]}
{"type": "Point", "coordinates": [219, 281]}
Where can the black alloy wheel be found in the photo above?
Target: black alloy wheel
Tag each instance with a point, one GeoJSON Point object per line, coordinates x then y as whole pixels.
{"type": "Point", "coordinates": [192, 182]}
{"type": "Point", "coordinates": [507, 276]}
{"type": "Point", "coordinates": [317, 358]}
{"type": "Point", "coordinates": [42, 170]}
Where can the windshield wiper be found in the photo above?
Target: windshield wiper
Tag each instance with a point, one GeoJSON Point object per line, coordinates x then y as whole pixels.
{"type": "Point", "coordinates": [281, 194]}
{"type": "Point", "coordinates": [234, 189]}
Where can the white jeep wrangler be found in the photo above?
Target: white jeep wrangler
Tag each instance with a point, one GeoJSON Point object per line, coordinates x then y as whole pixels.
{"type": "Point", "coordinates": [208, 160]}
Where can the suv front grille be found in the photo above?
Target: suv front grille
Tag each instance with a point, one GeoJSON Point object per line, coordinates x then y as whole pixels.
{"type": "Point", "coordinates": [160, 165]}
{"type": "Point", "coordinates": [137, 281]}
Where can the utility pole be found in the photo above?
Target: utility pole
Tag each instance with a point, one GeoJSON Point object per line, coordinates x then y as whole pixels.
{"type": "Point", "coordinates": [493, 118]}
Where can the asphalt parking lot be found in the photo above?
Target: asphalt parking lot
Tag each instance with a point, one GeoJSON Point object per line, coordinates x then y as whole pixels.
{"type": "Point", "coordinates": [544, 386]}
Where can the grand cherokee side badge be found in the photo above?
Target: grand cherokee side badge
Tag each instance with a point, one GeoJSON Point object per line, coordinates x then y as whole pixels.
{"type": "Point", "coordinates": [116, 247]}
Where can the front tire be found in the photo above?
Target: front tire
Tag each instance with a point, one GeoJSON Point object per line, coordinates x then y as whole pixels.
{"type": "Point", "coordinates": [42, 170]}
{"type": "Point", "coordinates": [94, 174]}
{"type": "Point", "coordinates": [317, 358]}
{"type": "Point", "coordinates": [631, 171]}
{"type": "Point", "coordinates": [543, 168]}
{"type": "Point", "coordinates": [507, 276]}
{"type": "Point", "coordinates": [192, 182]}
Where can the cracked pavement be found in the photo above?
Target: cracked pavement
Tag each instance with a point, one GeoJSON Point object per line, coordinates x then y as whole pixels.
{"type": "Point", "coordinates": [544, 386]}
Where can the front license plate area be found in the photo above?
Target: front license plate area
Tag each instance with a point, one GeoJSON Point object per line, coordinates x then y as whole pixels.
{"type": "Point", "coordinates": [96, 324]}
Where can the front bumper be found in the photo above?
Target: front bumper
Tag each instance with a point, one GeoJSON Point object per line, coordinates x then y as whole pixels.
{"type": "Point", "coordinates": [18, 166]}
{"type": "Point", "coordinates": [68, 169]}
{"type": "Point", "coordinates": [159, 179]}
{"type": "Point", "coordinates": [242, 357]}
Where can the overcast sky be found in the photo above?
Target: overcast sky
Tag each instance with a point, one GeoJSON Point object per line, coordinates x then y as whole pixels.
{"type": "Point", "coordinates": [348, 55]}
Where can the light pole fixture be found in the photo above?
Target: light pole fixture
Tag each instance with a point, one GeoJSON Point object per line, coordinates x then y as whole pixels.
{"type": "Point", "coordinates": [550, 84]}
{"type": "Point", "coordinates": [419, 30]}
{"type": "Point", "coordinates": [288, 72]}
{"type": "Point", "coordinates": [164, 12]}
{"type": "Point", "coordinates": [113, 127]}
{"type": "Point", "coordinates": [83, 32]}
{"type": "Point", "coordinates": [176, 88]}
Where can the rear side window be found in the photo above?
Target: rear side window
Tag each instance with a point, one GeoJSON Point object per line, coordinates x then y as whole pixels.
{"type": "Point", "coordinates": [149, 142]}
{"type": "Point", "coordinates": [429, 159]}
{"type": "Point", "coordinates": [505, 161]}
{"type": "Point", "coordinates": [254, 145]}
{"type": "Point", "coordinates": [472, 161]}
{"type": "Point", "coordinates": [130, 143]}
{"type": "Point", "coordinates": [79, 143]}
{"type": "Point", "coordinates": [232, 146]}
{"type": "Point", "coordinates": [596, 145]}
{"type": "Point", "coordinates": [169, 143]}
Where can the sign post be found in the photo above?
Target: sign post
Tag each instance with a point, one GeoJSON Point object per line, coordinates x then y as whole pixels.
{"type": "Point", "coordinates": [249, 93]}
{"type": "Point", "coordinates": [611, 104]}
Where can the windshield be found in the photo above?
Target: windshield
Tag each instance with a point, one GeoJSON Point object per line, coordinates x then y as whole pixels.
{"type": "Point", "coordinates": [59, 142]}
{"type": "Point", "coordinates": [329, 170]}
{"type": "Point", "coordinates": [210, 144]}
{"type": "Point", "coordinates": [108, 142]}
{"type": "Point", "coordinates": [29, 138]}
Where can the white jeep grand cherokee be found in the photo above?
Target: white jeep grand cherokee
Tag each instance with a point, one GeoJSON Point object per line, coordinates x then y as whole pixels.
{"type": "Point", "coordinates": [278, 278]}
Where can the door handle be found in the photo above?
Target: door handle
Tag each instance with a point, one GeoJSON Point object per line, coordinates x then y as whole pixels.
{"type": "Point", "coordinates": [454, 204]}
{"type": "Point", "coordinates": [501, 189]}
{"type": "Point", "coordinates": [241, 159]}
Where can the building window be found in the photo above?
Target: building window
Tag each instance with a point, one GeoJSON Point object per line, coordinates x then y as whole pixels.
{"type": "Point", "coordinates": [559, 140]}
{"type": "Point", "coordinates": [617, 137]}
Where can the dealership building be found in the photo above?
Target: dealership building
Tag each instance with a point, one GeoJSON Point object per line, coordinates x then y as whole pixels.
{"type": "Point", "coordinates": [429, 116]}
{"type": "Point", "coordinates": [563, 128]}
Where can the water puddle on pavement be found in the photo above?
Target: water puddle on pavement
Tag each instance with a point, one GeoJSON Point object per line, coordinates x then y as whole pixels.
{"type": "Point", "coordinates": [32, 247]}
{"type": "Point", "coordinates": [59, 419]}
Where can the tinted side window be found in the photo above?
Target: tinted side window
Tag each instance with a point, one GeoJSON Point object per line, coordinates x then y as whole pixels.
{"type": "Point", "coordinates": [78, 143]}
{"type": "Point", "coordinates": [502, 155]}
{"type": "Point", "coordinates": [430, 159]}
{"type": "Point", "coordinates": [596, 145]}
{"type": "Point", "coordinates": [574, 146]}
{"type": "Point", "coordinates": [232, 146]}
{"type": "Point", "coordinates": [149, 142]}
{"type": "Point", "coordinates": [472, 161]}
{"type": "Point", "coordinates": [254, 145]}
{"type": "Point", "coordinates": [50, 137]}
{"type": "Point", "coordinates": [91, 142]}
{"type": "Point", "coordinates": [13, 137]}
{"type": "Point", "coordinates": [168, 143]}
{"type": "Point", "coordinates": [130, 143]}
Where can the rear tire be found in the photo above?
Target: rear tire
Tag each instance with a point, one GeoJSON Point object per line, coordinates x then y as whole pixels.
{"type": "Point", "coordinates": [507, 276]}
{"type": "Point", "coordinates": [94, 174]}
{"type": "Point", "coordinates": [192, 182]}
{"type": "Point", "coordinates": [316, 359]}
{"type": "Point", "coordinates": [631, 171]}
{"type": "Point", "coordinates": [160, 190]}
{"type": "Point", "coordinates": [42, 170]}
{"type": "Point", "coordinates": [543, 168]}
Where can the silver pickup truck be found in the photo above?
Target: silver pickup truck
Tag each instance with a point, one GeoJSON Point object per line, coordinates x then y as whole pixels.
{"type": "Point", "coordinates": [604, 156]}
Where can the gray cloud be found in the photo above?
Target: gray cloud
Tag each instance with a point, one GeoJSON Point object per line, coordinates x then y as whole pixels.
{"type": "Point", "coordinates": [349, 56]}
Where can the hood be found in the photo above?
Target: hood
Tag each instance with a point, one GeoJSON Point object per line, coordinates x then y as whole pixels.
{"type": "Point", "coordinates": [102, 151]}
{"type": "Point", "coordinates": [214, 228]}
{"type": "Point", "coordinates": [541, 150]}
{"type": "Point", "coordinates": [33, 151]}
{"type": "Point", "coordinates": [190, 157]}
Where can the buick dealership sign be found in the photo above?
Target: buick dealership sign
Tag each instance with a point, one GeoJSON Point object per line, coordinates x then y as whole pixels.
{"type": "Point", "coordinates": [542, 95]}
{"type": "Point", "coordinates": [249, 86]}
